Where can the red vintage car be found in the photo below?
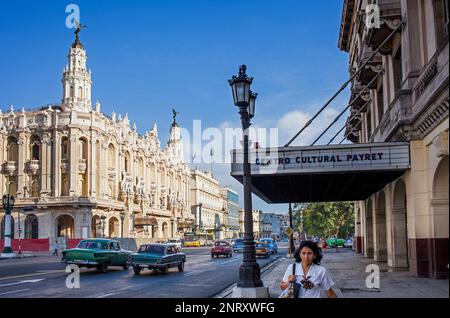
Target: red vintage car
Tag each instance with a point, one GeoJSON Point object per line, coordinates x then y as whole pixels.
{"type": "Point", "coordinates": [221, 248]}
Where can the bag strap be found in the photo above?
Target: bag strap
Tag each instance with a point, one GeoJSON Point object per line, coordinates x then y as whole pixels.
{"type": "Point", "coordinates": [293, 269]}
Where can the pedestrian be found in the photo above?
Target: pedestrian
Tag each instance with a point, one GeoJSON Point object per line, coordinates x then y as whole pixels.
{"type": "Point", "coordinates": [324, 245]}
{"type": "Point", "coordinates": [55, 248]}
{"type": "Point", "coordinates": [309, 276]}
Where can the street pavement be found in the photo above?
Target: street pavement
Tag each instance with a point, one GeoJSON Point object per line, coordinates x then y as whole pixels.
{"type": "Point", "coordinates": [348, 271]}
{"type": "Point", "coordinates": [45, 277]}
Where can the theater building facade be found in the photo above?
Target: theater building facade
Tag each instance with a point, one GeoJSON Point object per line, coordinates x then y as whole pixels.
{"type": "Point", "coordinates": [406, 223]}
{"type": "Point", "coordinates": [80, 173]}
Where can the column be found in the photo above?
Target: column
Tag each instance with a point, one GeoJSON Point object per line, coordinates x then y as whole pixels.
{"type": "Point", "coordinates": [46, 164]}
{"type": "Point", "coordinates": [21, 161]}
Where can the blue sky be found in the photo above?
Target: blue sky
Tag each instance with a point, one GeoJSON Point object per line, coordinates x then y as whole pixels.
{"type": "Point", "coordinates": [149, 56]}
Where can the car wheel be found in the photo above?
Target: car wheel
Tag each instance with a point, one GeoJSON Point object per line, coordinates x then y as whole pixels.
{"type": "Point", "coordinates": [137, 270]}
{"type": "Point", "coordinates": [231, 255]}
{"type": "Point", "coordinates": [126, 266]}
{"type": "Point", "coordinates": [181, 266]}
{"type": "Point", "coordinates": [212, 255]}
{"type": "Point", "coordinates": [164, 270]}
{"type": "Point", "coordinates": [103, 268]}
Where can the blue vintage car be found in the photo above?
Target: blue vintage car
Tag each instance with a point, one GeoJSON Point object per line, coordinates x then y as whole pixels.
{"type": "Point", "coordinates": [273, 247]}
{"type": "Point", "coordinates": [159, 257]}
{"type": "Point", "coordinates": [238, 245]}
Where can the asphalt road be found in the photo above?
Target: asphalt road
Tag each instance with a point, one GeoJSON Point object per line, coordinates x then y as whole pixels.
{"type": "Point", "coordinates": [45, 277]}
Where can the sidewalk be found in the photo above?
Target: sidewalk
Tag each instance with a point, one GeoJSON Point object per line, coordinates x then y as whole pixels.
{"type": "Point", "coordinates": [348, 272]}
{"type": "Point", "coordinates": [28, 255]}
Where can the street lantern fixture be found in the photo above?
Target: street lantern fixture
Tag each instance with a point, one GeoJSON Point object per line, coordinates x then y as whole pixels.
{"type": "Point", "coordinates": [240, 87]}
{"type": "Point", "coordinates": [122, 218]}
{"type": "Point", "coordinates": [249, 284]}
{"type": "Point", "coordinates": [103, 225]}
{"type": "Point", "coordinates": [8, 204]}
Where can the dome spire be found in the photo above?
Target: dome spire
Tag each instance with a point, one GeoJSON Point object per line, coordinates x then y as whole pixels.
{"type": "Point", "coordinates": [77, 43]}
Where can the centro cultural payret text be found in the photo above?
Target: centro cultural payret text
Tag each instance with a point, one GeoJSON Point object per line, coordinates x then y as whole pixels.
{"type": "Point", "coordinates": [325, 158]}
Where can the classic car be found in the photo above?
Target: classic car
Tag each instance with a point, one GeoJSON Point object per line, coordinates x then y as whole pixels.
{"type": "Point", "coordinates": [238, 245]}
{"type": "Point", "coordinates": [262, 249]}
{"type": "Point", "coordinates": [332, 241]}
{"type": "Point", "coordinates": [221, 248]}
{"type": "Point", "coordinates": [159, 257]}
{"type": "Point", "coordinates": [273, 247]}
{"type": "Point", "coordinates": [98, 253]}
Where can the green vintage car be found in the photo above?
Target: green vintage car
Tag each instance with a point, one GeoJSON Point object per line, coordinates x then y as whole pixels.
{"type": "Point", "coordinates": [99, 253]}
{"type": "Point", "coordinates": [331, 242]}
{"type": "Point", "coordinates": [159, 257]}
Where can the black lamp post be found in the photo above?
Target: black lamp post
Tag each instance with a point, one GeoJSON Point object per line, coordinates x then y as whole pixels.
{"type": "Point", "coordinates": [8, 204]}
{"type": "Point", "coordinates": [103, 225]}
{"type": "Point", "coordinates": [244, 98]}
{"type": "Point", "coordinates": [122, 218]}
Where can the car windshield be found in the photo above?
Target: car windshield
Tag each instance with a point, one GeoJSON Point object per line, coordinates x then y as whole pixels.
{"type": "Point", "coordinates": [267, 241]}
{"type": "Point", "coordinates": [92, 245]}
{"type": "Point", "coordinates": [261, 245]}
{"type": "Point", "coordinates": [157, 249]}
{"type": "Point", "coordinates": [239, 242]}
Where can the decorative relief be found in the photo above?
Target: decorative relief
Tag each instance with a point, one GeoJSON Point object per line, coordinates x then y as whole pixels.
{"type": "Point", "coordinates": [440, 142]}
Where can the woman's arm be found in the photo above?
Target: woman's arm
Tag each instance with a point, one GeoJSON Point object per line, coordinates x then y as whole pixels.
{"type": "Point", "coordinates": [330, 293]}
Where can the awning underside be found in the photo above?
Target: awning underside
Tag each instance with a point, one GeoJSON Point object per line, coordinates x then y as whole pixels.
{"type": "Point", "coordinates": [344, 186]}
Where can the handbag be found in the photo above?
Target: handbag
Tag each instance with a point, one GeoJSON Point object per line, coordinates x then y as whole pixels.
{"type": "Point", "coordinates": [293, 290]}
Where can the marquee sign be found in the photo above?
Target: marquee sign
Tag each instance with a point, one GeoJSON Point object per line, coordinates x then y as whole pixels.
{"type": "Point", "coordinates": [316, 159]}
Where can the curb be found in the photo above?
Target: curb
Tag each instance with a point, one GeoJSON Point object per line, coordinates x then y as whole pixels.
{"type": "Point", "coordinates": [229, 290]}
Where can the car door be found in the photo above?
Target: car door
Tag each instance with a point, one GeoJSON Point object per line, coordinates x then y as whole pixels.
{"type": "Point", "coordinates": [121, 256]}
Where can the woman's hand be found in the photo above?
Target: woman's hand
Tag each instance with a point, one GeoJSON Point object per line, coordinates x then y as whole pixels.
{"type": "Point", "coordinates": [291, 278]}
{"type": "Point", "coordinates": [284, 285]}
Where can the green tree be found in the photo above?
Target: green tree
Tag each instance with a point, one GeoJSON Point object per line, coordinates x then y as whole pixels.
{"type": "Point", "coordinates": [326, 219]}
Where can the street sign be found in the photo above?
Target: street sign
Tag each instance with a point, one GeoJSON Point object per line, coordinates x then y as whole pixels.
{"type": "Point", "coordinates": [289, 231]}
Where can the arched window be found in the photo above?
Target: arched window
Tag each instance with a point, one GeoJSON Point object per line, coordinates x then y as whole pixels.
{"type": "Point", "coordinates": [31, 227]}
{"type": "Point", "coordinates": [80, 92]}
{"type": "Point", "coordinates": [72, 91]}
{"type": "Point", "coordinates": [35, 144]}
{"type": "Point", "coordinates": [83, 149]}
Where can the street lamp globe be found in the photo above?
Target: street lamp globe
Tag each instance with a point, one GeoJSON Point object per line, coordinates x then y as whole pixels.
{"type": "Point", "coordinates": [5, 201]}
{"type": "Point", "coordinates": [12, 201]}
{"type": "Point", "coordinates": [240, 87]}
{"type": "Point", "coordinates": [122, 216]}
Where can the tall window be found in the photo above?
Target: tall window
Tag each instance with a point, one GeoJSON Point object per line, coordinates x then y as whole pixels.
{"type": "Point", "coordinates": [64, 148]}
{"type": "Point", "coordinates": [380, 105]}
{"type": "Point", "coordinates": [111, 156]}
{"type": "Point", "coordinates": [80, 92]}
{"type": "Point", "coordinates": [398, 76]}
{"type": "Point", "coordinates": [441, 20]}
{"type": "Point", "coordinates": [12, 149]}
{"type": "Point", "coordinates": [35, 143]}
{"type": "Point", "coordinates": [31, 227]}
{"type": "Point", "coordinates": [369, 125]}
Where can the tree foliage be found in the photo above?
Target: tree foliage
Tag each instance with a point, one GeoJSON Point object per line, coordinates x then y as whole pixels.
{"type": "Point", "coordinates": [326, 219]}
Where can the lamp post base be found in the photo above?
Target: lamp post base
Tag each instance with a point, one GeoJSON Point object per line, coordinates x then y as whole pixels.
{"type": "Point", "coordinates": [250, 292]}
{"type": "Point", "coordinates": [7, 250]}
{"type": "Point", "coordinates": [7, 255]}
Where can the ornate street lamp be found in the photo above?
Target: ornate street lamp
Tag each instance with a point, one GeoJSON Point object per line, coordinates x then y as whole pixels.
{"type": "Point", "coordinates": [103, 225]}
{"type": "Point", "coordinates": [249, 284]}
{"type": "Point", "coordinates": [122, 218]}
{"type": "Point", "coordinates": [8, 204]}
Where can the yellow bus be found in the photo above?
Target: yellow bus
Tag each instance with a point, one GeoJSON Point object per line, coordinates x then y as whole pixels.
{"type": "Point", "coordinates": [191, 240]}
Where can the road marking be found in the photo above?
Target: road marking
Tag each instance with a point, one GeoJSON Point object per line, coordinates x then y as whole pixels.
{"type": "Point", "coordinates": [227, 262]}
{"type": "Point", "coordinates": [29, 275]}
{"type": "Point", "coordinates": [23, 282]}
{"type": "Point", "coordinates": [14, 291]}
{"type": "Point", "coordinates": [106, 295]}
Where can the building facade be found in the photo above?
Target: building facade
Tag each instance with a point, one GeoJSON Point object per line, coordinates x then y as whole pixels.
{"type": "Point", "coordinates": [208, 203]}
{"type": "Point", "coordinates": [402, 94]}
{"type": "Point", "coordinates": [257, 223]}
{"type": "Point", "coordinates": [85, 174]}
{"type": "Point", "coordinates": [232, 226]}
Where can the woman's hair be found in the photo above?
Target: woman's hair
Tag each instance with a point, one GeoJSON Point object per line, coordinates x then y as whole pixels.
{"type": "Point", "coordinates": [313, 246]}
